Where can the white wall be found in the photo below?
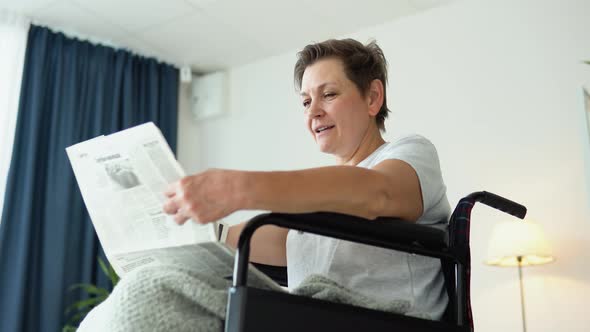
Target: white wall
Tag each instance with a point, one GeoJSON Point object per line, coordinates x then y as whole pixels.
{"type": "Point", "coordinates": [496, 85]}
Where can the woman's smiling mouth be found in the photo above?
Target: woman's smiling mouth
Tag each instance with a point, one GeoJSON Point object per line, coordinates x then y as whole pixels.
{"type": "Point", "coordinates": [323, 129]}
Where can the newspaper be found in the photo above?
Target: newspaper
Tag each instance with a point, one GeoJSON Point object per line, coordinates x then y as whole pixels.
{"type": "Point", "coordinates": [122, 178]}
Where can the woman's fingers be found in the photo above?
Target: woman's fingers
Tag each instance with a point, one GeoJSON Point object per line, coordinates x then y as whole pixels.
{"type": "Point", "coordinates": [171, 190]}
{"type": "Point", "coordinates": [174, 204]}
{"type": "Point", "coordinates": [180, 218]}
{"type": "Point", "coordinates": [202, 197]}
{"type": "Point", "coordinates": [170, 207]}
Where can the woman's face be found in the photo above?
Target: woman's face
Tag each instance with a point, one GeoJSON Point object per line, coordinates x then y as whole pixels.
{"type": "Point", "coordinates": [336, 114]}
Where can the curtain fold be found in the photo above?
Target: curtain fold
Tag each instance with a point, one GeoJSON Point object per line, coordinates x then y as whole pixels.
{"type": "Point", "coordinates": [13, 41]}
{"type": "Point", "coordinates": [71, 91]}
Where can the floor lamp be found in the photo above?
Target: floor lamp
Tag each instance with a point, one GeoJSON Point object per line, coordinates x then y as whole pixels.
{"type": "Point", "coordinates": [518, 244]}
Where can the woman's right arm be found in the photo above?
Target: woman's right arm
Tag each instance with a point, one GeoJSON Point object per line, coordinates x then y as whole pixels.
{"type": "Point", "coordinates": [268, 246]}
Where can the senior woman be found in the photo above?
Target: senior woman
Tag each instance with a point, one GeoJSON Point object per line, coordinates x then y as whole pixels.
{"type": "Point", "coordinates": [343, 96]}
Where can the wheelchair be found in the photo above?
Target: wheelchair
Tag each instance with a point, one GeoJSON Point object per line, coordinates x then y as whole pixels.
{"type": "Point", "coordinates": [253, 309]}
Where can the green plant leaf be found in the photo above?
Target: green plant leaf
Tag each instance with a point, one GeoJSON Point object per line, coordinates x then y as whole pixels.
{"type": "Point", "coordinates": [87, 303]}
{"type": "Point", "coordinates": [103, 266]}
{"type": "Point", "coordinates": [90, 289]}
{"type": "Point", "coordinates": [77, 318]}
{"type": "Point", "coordinates": [108, 271]}
{"type": "Point", "coordinates": [113, 276]}
{"type": "Point", "coordinates": [68, 328]}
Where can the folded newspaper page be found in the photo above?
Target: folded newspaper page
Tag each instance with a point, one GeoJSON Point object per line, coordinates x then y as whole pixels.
{"type": "Point", "coordinates": [122, 178]}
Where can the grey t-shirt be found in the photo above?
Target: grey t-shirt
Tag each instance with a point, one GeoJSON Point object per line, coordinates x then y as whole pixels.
{"type": "Point", "coordinates": [380, 273]}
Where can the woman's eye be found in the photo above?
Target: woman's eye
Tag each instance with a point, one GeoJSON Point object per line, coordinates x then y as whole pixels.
{"type": "Point", "coordinates": [305, 103]}
{"type": "Point", "coordinates": [329, 95]}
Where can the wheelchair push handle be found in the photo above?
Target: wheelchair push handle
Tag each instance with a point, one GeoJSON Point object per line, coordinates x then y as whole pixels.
{"type": "Point", "coordinates": [500, 203]}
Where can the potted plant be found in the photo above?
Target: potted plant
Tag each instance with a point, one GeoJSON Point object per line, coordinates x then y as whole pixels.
{"type": "Point", "coordinates": [96, 295]}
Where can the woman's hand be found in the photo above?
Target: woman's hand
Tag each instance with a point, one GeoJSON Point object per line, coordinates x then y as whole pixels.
{"type": "Point", "coordinates": [204, 197]}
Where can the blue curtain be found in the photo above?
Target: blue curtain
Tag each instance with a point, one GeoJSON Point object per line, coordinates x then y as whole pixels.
{"type": "Point", "coordinates": [71, 91]}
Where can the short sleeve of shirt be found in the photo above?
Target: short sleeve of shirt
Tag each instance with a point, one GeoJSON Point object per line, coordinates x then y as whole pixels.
{"type": "Point", "coordinates": [421, 155]}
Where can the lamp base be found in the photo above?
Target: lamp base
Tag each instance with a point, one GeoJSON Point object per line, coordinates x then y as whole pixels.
{"type": "Point", "coordinates": [519, 258]}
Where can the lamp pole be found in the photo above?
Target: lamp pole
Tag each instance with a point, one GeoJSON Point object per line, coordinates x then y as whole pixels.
{"type": "Point", "coordinates": [519, 259]}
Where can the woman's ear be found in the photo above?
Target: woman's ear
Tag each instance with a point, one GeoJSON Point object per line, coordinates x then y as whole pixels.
{"type": "Point", "coordinates": [375, 97]}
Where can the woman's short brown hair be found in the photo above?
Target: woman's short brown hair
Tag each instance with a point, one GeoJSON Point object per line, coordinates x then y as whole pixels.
{"type": "Point", "coordinates": [362, 65]}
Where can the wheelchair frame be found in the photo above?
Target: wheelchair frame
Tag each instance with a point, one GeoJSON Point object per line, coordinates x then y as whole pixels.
{"type": "Point", "coordinates": [252, 309]}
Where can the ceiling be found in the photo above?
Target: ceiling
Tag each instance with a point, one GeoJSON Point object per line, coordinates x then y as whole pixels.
{"type": "Point", "coordinates": [212, 34]}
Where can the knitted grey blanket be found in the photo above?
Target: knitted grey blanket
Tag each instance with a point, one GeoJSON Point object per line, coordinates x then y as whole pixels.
{"type": "Point", "coordinates": [175, 297]}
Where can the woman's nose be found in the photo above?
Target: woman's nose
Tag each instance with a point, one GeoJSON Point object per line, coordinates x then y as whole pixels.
{"type": "Point", "coordinates": [315, 110]}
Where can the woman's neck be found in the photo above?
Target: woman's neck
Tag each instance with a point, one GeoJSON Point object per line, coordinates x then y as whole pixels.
{"type": "Point", "coordinates": [371, 142]}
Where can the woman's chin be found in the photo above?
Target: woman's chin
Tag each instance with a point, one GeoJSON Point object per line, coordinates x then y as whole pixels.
{"type": "Point", "coordinates": [326, 148]}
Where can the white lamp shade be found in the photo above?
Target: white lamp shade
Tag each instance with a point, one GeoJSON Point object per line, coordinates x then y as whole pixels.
{"type": "Point", "coordinates": [518, 239]}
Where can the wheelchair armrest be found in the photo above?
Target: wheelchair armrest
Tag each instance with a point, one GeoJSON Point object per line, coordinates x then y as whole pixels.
{"type": "Point", "coordinates": [382, 232]}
